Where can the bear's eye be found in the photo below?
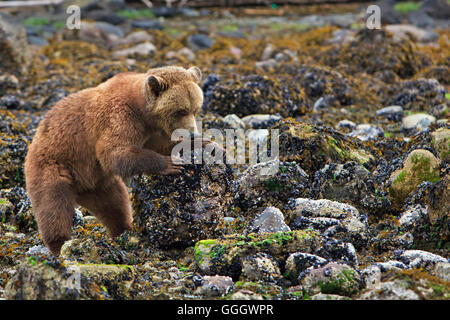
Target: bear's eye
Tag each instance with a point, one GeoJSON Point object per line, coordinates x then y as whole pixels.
{"type": "Point", "coordinates": [181, 113]}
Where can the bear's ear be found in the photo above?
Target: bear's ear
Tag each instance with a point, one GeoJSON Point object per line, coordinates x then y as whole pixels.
{"type": "Point", "coordinates": [157, 84]}
{"type": "Point", "coordinates": [196, 74]}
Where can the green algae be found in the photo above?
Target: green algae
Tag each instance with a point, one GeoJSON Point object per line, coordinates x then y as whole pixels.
{"type": "Point", "coordinates": [407, 6]}
{"type": "Point", "coordinates": [423, 170]}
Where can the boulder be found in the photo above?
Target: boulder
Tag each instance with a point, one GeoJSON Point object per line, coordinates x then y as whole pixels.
{"type": "Point", "coordinates": [182, 209]}
{"type": "Point", "coordinates": [419, 166]}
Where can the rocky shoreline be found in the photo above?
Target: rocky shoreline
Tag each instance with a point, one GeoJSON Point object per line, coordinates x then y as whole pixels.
{"type": "Point", "coordinates": [357, 210]}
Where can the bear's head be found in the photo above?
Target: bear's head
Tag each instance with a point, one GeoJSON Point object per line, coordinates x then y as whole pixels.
{"type": "Point", "coordinates": [174, 97]}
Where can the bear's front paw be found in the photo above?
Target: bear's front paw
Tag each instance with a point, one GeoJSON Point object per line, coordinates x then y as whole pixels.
{"type": "Point", "coordinates": [174, 165]}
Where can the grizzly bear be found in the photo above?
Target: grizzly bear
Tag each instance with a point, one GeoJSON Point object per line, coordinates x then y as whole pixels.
{"type": "Point", "coordinates": [90, 141]}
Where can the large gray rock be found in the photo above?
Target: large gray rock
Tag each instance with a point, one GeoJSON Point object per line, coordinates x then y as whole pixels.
{"type": "Point", "coordinates": [350, 183]}
{"type": "Point", "coordinates": [442, 271]}
{"type": "Point", "coordinates": [182, 209]}
{"type": "Point", "coordinates": [418, 121]}
{"type": "Point", "coordinates": [270, 220]}
{"type": "Point", "coordinates": [269, 183]}
{"type": "Point", "coordinates": [420, 259]}
{"type": "Point", "coordinates": [330, 217]}
{"type": "Point", "coordinates": [413, 216]}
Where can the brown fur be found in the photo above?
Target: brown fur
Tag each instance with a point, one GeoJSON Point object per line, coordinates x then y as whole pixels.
{"type": "Point", "coordinates": [91, 140]}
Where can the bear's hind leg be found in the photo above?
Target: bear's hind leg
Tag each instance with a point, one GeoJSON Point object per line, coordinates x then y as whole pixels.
{"type": "Point", "coordinates": [110, 203]}
{"type": "Point", "coordinates": [53, 207]}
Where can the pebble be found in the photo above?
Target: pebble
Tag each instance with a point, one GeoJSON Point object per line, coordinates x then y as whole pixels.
{"type": "Point", "coordinates": [346, 124]}
{"type": "Point", "coordinates": [111, 29]}
{"type": "Point", "coordinates": [199, 41]}
{"type": "Point", "coordinates": [323, 103]}
{"type": "Point", "coordinates": [142, 49]}
{"type": "Point", "coordinates": [233, 121]}
{"type": "Point", "coordinates": [413, 216]}
{"type": "Point", "coordinates": [392, 113]}
{"type": "Point", "coordinates": [419, 121]}
{"type": "Point", "coordinates": [38, 250]}
{"type": "Point", "coordinates": [260, 121]}
{"type": "Point", "coordinates": [324, 214]}
{"type": "Point", "coordinates": [37, 41]}
{"type": "Point", "coordinates": [267, 52]}
{"type": "Point", "coordinates": [333, 278]}
{"type": "Point", "coordinates": [365, 132]}
{"type": "Point", "coordinates": [245, 295]}
{"type": "Point", "coordinates": [136, 37]}
{"type": "Point", "coordinates": [187, 53]}
{"type": "Point", "coordinates": [10, 101]}
{"type": "Point", "coordinates": [266, 64]}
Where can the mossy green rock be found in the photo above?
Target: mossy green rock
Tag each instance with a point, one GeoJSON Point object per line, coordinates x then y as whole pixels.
{"type": "Point", "coordinates": [420, 165]}
{"type": "Point", "coordinates": [441, 142]}
{"type": "Point", "coordinates": [334, 278]}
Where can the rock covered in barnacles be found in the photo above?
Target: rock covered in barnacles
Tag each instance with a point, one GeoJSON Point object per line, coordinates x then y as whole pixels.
{"type": "Point", "coordinates": [298, 262]}
{"type": "Point", "coordinates": [420, 94]}
{"type": "Point", "coordinates": [333, 218]}
{"type": "Point", "coordinates": [178, 210]}
{"type": "Point", "coordinates": [252, 94]}
{"type": "Point", "coordinates": [15, 208]}
{"type": "Point", "coordinates": [434, 196]}
{"type": "Point", "coordinates": [314, 146]}
{"type": "Point", "coordinates": [260, 267]}
{"type": "Point", "coordinates": [16, 132]}
{"type": "Point", "coordinates": [350, 182]}
{"type": "Point", "coordinates": [269, 183]}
